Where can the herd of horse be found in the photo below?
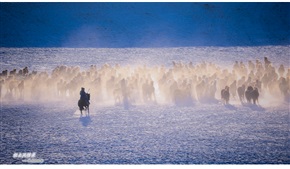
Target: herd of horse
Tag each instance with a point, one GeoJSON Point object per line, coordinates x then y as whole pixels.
{"type": "Point", "coordinates": [180, 84]}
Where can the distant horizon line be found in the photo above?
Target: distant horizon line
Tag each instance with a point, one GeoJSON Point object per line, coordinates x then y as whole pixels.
{"type": "Point", "coordinates": [225, 46]}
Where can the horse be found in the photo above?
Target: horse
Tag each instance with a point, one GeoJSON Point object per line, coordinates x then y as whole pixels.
{"type": "Point", "coordinates": [233, 89]}
{"type": "Point", "coordinates": [248, 94]}
{"type": "Point", "coordinates": [83, 105]}
{"type": "Point", "coordinates": [255, 95]}
{"type": "Point", "coordinates": [241, 92]}
{"type": "Point", "coordinates": [252, 94]}
{"type": "Point", "coordinates": [225, 95]}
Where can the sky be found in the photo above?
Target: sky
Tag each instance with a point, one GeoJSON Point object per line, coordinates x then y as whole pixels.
{"type": "Point", "coordinates": [122, 25]}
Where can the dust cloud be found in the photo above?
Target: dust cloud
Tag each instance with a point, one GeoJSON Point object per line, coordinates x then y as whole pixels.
{"type": "Point", "coordinates": [182, 84]}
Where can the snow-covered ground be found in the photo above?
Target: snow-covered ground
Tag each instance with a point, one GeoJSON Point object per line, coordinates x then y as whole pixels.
{"type": "Point", "coordinates": [144, 134]}
{"type": "Point", "coordinates": [46, 59]}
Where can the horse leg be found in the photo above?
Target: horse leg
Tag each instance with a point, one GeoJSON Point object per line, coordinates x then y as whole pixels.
{"type": "Point", "coordinates": [88, 110]}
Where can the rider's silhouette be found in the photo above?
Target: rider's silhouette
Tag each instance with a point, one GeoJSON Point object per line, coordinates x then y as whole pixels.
{"type": "Point", "coordinates": [84, 96]}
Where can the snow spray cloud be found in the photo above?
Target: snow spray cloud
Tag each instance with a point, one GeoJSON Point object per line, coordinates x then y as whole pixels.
{"type": "Point", "coordinates": [182, 84]}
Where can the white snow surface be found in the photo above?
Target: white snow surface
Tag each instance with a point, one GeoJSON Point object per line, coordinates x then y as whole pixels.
{"type": "Point", "coordinates": [203, 133]}
{"type": "Point", "coordinates": [46, 59]}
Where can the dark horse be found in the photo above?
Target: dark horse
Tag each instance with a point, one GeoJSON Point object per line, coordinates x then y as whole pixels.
{"type": "Point", "coordinates": [83, 105]}
{"type": "Point", "coordinates": [225, 95]}
{"type": "Point", "coordinates": [252, 94]}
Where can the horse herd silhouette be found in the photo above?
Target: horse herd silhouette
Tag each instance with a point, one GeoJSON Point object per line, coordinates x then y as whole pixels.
{"type": "Point", "coordinates": [180, 84]}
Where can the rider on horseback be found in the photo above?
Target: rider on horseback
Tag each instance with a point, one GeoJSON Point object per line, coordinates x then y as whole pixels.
{"type": "Point", "coordinates": [84, 96]}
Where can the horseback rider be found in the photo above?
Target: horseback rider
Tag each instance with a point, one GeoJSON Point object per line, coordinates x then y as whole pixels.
{"type": "Point", "coordinates": [84, 96]}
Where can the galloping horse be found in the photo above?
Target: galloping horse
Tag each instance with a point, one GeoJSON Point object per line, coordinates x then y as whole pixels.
{"type": "Point", "coordinates": [83, 105]}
